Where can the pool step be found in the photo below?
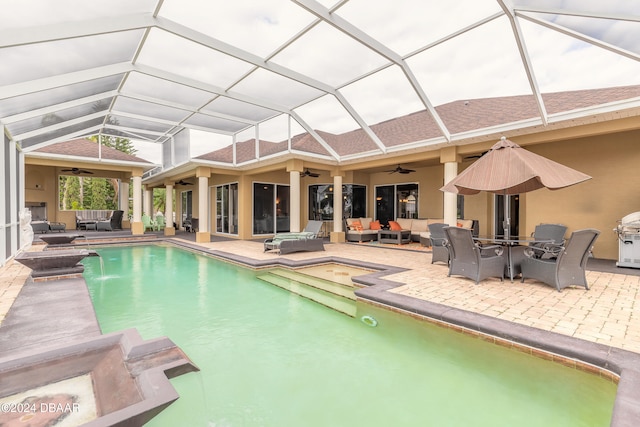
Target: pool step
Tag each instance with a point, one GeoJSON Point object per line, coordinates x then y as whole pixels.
{"type": "Point", "coordinates": [327, 285]}
{"type": "Point", "coordinates": [333, 295]}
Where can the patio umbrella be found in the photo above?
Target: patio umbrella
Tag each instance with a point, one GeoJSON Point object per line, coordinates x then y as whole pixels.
{"type": "Point", "coordinates": [509, 169]}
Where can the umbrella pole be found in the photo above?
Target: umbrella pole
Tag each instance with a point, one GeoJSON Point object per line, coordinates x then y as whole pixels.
{"type": "Point", "coordinates": [507, 232]}
{"type": "Point", "coordinates": [507, 220]}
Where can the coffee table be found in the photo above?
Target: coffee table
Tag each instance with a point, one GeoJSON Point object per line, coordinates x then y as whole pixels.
{"type": "Point", "coordinates": [398, 237]}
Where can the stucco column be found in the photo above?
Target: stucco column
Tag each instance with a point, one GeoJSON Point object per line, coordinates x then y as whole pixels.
{"type": "Point", "coordinates": [449, 156]}
{"type": "Point", "coordinates": [124, 198]}
{"type": "Point", "coordinates": [136, 225]}
{"type": "Point", "coordinates": [203, 234]}
{"type": "Point", "coordinates": [169, 229]}
{"type": "Point", "coordinates": [294, 167]}
{"type": "Point", "coordinates": [337, 235]}
{"type": "Point", "coordinates": [123, 203]}
{"type": "Point", "coordinates": [294, 201]}
{"type": "Point", "coordinates": [147, 202]}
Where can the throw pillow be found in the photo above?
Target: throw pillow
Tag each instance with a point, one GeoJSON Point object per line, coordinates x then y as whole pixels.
{"type": "Point", "coordinates": [394, 226]}
{"type": "Point", "coordinates": [375, 225]}
{"type": "Point", "coordinates": [356, 225]}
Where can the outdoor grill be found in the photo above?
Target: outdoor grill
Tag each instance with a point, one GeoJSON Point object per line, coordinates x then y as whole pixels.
{"type": "Point", "coordinates": [628, 231]}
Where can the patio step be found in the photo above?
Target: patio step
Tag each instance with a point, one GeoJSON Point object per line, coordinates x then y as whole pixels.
{"type": "Point", "coordinates": [330, 294]}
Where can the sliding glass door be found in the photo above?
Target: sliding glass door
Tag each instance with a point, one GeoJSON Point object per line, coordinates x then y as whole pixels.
{"type": "Point", "coordinates": [514, 215]}
{"type": "Point", "coordinates": [186, 205]}
{"type": "Point", "coordinates": [227, 208]}
{"type": "Point", "coordinates": [271, 207]}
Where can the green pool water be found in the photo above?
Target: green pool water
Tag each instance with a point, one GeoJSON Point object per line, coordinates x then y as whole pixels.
{"type": "Point", "coordinates": [272, 358]}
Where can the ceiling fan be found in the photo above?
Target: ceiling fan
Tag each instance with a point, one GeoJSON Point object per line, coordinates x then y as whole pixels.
{"type": "Point", "coordinates": [475, 156]}
{"type": "Point", "coordinates": [401, 170]}
{"type": "Point", "coordinates": [183, 182]}
{"type": "Point", "coordinates": [307, 172]}
{"type": "Point", "coordinates": [77, 171]}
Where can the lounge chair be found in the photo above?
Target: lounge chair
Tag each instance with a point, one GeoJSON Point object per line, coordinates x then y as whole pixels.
{"type": "Point", "coordinates": [160, 222]}
{"type": "Point", "coordinates": [439, 248]}
{"type": "Point", "coordinates": [568, 268]}
{"type": "Point", "coordinates": [306, 240]}
{"type": "Point", "coordinates": [470, 260]}
{"type": "Point", "coordinates": [46, 226]}
{"type": "Point", "coordinates": [148, 223]}
{"type": "Point", "coordinates": [113, 223]}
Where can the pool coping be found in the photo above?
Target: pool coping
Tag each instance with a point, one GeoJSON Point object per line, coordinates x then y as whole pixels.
{"type": "Point", "coordinates": [623, 363]}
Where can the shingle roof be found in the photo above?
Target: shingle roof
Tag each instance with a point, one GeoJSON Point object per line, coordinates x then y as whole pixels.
{"type": "Point", "coordinates": [86, 148]}
{"type": "Point", "coordinates": [245, 151]}
{"type": "Point", "coordinates": [458, 116]}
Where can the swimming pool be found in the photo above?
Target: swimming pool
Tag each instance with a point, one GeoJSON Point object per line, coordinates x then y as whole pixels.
{"type": "Point", "coordinates": [271, 358]}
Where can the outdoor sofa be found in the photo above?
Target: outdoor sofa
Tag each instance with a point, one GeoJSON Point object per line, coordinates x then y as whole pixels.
{"type": "Point", "coordinates": [359, 230]}
{"type": "Point", "coordinates": [362, 230]}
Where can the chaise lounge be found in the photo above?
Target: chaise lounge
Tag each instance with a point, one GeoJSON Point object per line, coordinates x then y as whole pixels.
{"type": "Point", "coordinates": [305, 241]}
{"type": "Point", "coordinates": [46, 226]}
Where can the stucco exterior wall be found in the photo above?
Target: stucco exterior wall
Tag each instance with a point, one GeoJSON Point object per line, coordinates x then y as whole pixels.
{"type": "Point", "coordinates": [613, 191]}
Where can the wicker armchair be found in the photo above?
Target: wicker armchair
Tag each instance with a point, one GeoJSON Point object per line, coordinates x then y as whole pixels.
{"type": "Point", "coordinates": [546, 232]}
{"type": "Point", "coordinates": [568, 268]}
{"type": "Point", "coordinates": [470, 260]}
{"type": "Point", "coordinates": [439, 248]}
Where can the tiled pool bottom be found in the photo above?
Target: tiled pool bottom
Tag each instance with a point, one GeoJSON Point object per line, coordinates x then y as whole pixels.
{"type": "Point", "coordinates": [65, 403]}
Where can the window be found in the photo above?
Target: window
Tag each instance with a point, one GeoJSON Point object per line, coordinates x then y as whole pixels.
{"type": "Point", "coordinates": [270, 208]}
{"type": "Point", "coordinates": [227, 208]}
{"type": "Point", "coordinates": [321, 201]}
{"type": "Point", "coordinates": [396, 201]}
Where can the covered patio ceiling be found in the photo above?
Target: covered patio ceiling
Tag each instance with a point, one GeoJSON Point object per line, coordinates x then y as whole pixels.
{"type": "Point", "coordinates": [274, 69]}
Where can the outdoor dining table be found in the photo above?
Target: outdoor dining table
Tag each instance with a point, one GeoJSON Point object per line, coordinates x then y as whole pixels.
{"type": "Point", "coordinates": [510, 242]}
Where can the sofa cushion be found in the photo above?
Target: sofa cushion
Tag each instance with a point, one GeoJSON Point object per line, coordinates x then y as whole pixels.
{"type": "Point", "coordinates": [435, 221]}
{"type": "Point", "coordinates": [366, 223]}
{"type": "Point", "coordinates": [419, 225]}
{"type": "Point", "coordinates": [405, 223]}
{"type": "Point", "coordinates": [362, 232]}
{"type": "Point", "coordinates": [375, 225]}
{"type": "Point", "coordinates": [465, 223]}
